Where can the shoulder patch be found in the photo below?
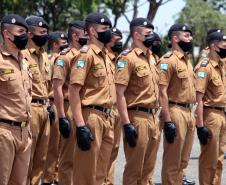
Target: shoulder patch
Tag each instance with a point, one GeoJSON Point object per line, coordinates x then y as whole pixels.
{"type": "Point", "coordinates": [126, 51]}
{"type": "Point", "coordinates": [204, 63]}
{"type": "Point", "coordinates": [121, 64]}
{"type": "Point", "coordinates": [65, 51]}
{"type": "Point", "coordinates": [80, 63]}
{"type": "Point", "coordinates": [60, 62]}
{"type": "Point", "coordinates": [201, 74]}
{"type": "Point", "coordinates": [84, 49]}
{"type": "Point", "coordinates": [168, 54]}
{"type": "Point", "coordinates": [164, 66]}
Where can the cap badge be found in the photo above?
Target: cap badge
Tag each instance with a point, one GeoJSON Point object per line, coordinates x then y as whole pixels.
{"type": "Point", "coordinates": [145, 23]}
{"type": "Point", "coordinates": [218, 30]}
{"type": "Point", "coordinates": [40, 23]}
{"type": "Point", "coordinates": [114, 29]}
{"type": "Point", "coordinates": [102, 20]}
{"type": "Point", "coordinates": [62, 35]}
{"type": "Point", "coordinates": [13, 20]}
{"type": "Point", "coordinates": [224, 37]}
{"type": "Point", "coordinates": [184, 28]}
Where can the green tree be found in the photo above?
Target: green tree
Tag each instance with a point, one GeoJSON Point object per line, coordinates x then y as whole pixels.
{"type": "Point", "coordinates": [201, 16]}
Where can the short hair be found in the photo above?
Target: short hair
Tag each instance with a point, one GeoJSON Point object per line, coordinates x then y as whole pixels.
{"type": "Point", "coordinates": [135, 29]}
{"type": "Point", "coordinates": [88, 25]}
{"type": "Point", "coordinates": [72, 30]}
{"type": "Point", "coordinates": [5, 26]}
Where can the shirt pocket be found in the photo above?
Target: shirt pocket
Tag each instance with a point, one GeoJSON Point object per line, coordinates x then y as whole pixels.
{"type": "Point", "coordinates": [182, 75]}
{"type": "Point", "coordinates": [9, 84]}
{"type": "Point", "coordinates": [99, 78]}
{"type": "Point", "coordinates": [143, 78]}
{"type": "Point", "coordinates": [217, 88]}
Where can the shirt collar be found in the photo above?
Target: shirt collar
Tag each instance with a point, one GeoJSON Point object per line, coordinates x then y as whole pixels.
{"type": "Point", "coordinates": [96, 48]}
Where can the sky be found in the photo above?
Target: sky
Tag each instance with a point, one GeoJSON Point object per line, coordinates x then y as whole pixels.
{"type": "Point", "coordinates": [165, 16]}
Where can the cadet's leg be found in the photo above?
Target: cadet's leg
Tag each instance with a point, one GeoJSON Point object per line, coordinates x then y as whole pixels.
{"type": "Point", "coordinates": [151, 152]}
{"type": "Point", "coordinates": [105, 149]}
{"type": "Point", "coordinates": [207, 162]}
{"type": "Point", "coordinates": [173, 152]}
{"type": "Point", "coordinates": [22, 138]}
{"type": "Point", "coordinates": [41, 148]}
{"type": "Point", "coordinates": [135, 156]}
{"type": "Point", "coordinates": [51, 171]}
{"type": "Point", "coordinates": [66, 158]}
{"type": "Point", "coordinates": [86, 161]}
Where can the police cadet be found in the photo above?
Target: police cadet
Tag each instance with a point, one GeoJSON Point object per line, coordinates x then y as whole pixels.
{"type": "Point", "coordinates": [38, 66]}
{"type": "Point", "coordinates": [57, 41]}
{"type": "Point", "coordinates": [137, 100]}
{"type": "Point", "coordinates": [114, 48]}
{"type": "Point", "coordinates": [177, 99]}
{"type": "Point", "coordinates": [15, 102]}
{"type": "Point", "coordinates": [211, 98]}
{"type": "Point", "coordinates": [92, 95]}
{"type": "Point", "coordinates": [61, 74]}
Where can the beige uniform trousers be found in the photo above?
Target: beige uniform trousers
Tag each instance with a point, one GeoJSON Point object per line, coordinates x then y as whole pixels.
{"type": "Point", "coordinates": [40, 129]}
{"type": "Point", "coordinates": [91, 166]}
{"type": "Point", "coordinates": [15, 148]}
{"type": "Point", "coordinates": [140, 160]}
{"type": "Point", "coordinates": [212, 155]}
{"type": "Point", "coordinates": [177, 154]}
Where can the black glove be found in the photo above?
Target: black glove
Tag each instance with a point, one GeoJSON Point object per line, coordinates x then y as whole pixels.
{"type": "Point", "coordinates": [203, 135]}
{"type": "Point", "coordinates": [169, 131]}
{"type": "Point", "coordinates": [84, 137]}
{"type": "Point", "coordinates": [64, 127]}
{"type": "Point", "coordinates": [130, 134]}
{"type": "Point", "coordinates": [51, 114]}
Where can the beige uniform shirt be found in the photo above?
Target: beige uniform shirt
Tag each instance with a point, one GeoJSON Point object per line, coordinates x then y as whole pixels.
{"type": "Point", "coordinates": [176, 72]}
{"type": "Point", "coordinates": [15, 87]}
{"type": "Point", "coordinates": [94, 73]}
{"type": "Point", "coordinates": [211, 81]}
{"type": "Point", "coordinates": [136, 70]}
{"type": "Point", "coordinates": [62, 67]}
{"type": "Point", "coordinates": [40, 70]}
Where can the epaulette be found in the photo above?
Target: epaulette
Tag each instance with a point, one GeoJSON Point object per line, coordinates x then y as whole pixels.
{"type": "Point", "coordinates": [65, 51]}
{"type": "Point", "coordinates": [126, 51]}
{"type": "Point", "coordinates": [49, 56]}
{"type": "Point", "coordinates": [168, 54]}
{"type": "Point", "coordinates": [204, 63]}
{"type": "Point", "coordinates": [84, 49]}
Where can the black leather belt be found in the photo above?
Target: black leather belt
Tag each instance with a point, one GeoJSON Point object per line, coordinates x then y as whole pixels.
{"type": "Point", "coordinates": [143, 109]}
{"type": "Point", "coordinates": [217, 108]}
{"type": "Point", "coordinates": [39, 101]}
{"type": "Point", "coordinates": [15, 123]}
{"type": "Point", "coordinates": [52, 100]}
{"type": "Point", "coordinates": [185, 105]}
{"type": "Point", "coordinates": [100, 108]}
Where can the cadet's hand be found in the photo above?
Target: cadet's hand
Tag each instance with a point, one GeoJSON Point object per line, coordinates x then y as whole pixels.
{"type": "Point", "coordinates": [84, 137]}
{"type": "Point", "coordinates": [130, 134]}
{"type": "Point", "coordinates": [169, 131]}
{"type": "Point", "coordinates": [51, 114]}
{"type": "Point", "coordinates": [64, 127]}
{"type": "Point", "coordinates": [203, 135]}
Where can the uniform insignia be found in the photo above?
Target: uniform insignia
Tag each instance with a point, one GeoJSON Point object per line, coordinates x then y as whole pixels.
{"type": "Point", "coordinates": [126, 51]}
{"type": "Point", "coordinates": [168, 54]}
{"type": "Point", "coordinates": [201, 74]}
{"type": "Point", "coordinates": [65, 51]}
{"type": "Point", "coordinates": [140, 68]}
{"type": "Point", "coordinates": [204, 63]}
{"type": "Point", "coordinates": [33, 65]}
{"type": "Point", "coordinates": [49, 56]}
{"type": "Point", "coordinates": [84, 49]}
{"type": "Point", "coordinates": [25, 65]}
{"type": "Point", "coordinates": [6, 71]}
{"type": "Point", "coordinates": [98, 66]}
{"type": "Point", "coordinates": [164, 66]}
{"type": "Point", "coordinates": [80, 64]}
{"type": "Point", "coordinates": [121, 64]}
{"type": "Point", "coordinates": [60, 62]}
{"type": "Point", "coordinates": [204, 55]}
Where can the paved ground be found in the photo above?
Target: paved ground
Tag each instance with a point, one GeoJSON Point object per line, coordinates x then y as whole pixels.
{"type": "Point", "coordinates": [192, 171]}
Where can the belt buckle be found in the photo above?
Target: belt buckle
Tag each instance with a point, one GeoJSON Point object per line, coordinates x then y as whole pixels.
{"type": "Point", "coordinates": [190, 105]}
{"type": "Point", "coordinates": [23, 124]}
{"type": "Point", "coordinates": [107, 111]}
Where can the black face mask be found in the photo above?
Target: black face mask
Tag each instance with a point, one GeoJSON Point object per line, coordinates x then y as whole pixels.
{"type": "Point", "coordinates": [148, 40]}
{"type": "Point", "coordinates": [185, 46]}
{"type": "Point", "coordinates": [20, 41]}
{"type": "Point", "coordinates": [104, 36]}
{"type": "Point", "coordinates": [156, 48]}
{"type": "Point", "coordinates": [82, 41]}
{"type": "Point", "coordinates": [64, 47]}
{"type": "Point", "coordinates": [117, 48]}
{"type": "Point", "coordinates": [40, 40]}
{"type": "Point", "coordinates": [222, 52]}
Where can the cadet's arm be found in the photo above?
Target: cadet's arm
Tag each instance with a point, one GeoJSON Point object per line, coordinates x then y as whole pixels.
{"type": "Point", "coordinates": [199, 110]}
{"type": "Point", "coordinates": [59, 97]}
{"type": "Point", "coordinates": [121, 103]}
{"type": "Point", "coordinates": [164, 102]}
{"type": "Point", "coordinates": [75, 103]}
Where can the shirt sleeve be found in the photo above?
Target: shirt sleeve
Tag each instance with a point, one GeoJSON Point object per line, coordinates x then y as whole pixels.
{"type": "Point", "coordinates": [165, 72]}
{"type": "Point", "coordinates": [201, 79]}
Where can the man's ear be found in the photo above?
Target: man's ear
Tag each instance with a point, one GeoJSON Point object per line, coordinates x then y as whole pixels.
{"type": "Point", "coordinates": [30, 35]}
{"type": "Point", "coordinates": [6, 33]}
